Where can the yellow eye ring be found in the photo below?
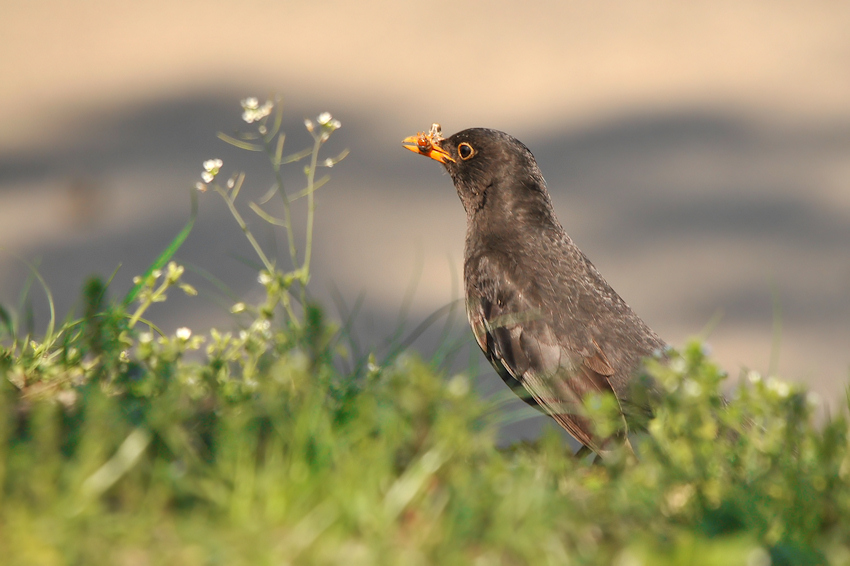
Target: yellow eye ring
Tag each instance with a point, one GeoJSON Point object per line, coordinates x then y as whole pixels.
{"type": "Point", "coordinates": [465, 151]}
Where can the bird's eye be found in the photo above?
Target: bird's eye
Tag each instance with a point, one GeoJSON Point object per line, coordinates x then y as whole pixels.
{"type": "Point", "coordinates": [465, 151]}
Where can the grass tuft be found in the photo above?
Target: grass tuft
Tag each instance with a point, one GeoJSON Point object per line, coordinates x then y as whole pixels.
{"type": "Point", "coordinates": [265, 445]}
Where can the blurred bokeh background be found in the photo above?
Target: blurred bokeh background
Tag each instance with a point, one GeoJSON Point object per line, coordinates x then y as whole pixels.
{"type": "Point", "coordinates": [698, 152]}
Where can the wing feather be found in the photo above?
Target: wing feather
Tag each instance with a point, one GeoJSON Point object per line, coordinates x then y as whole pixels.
{"type": "Point", "coordinates": [523, 345]}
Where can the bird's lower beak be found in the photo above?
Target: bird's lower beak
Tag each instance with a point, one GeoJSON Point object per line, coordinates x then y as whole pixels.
{"type": "Point", "coordinates": [423, 144]}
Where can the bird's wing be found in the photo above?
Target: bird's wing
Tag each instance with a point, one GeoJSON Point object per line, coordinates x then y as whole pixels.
{"type": "Point", "coordinates": [522, 344]}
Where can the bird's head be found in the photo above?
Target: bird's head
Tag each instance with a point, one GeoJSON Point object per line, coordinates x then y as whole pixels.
{"type": "Point", "coordinates": [488, 167]}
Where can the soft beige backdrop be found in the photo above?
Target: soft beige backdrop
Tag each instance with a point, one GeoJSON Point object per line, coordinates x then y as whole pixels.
{"type": "Point", "coordinates": [699, 152]}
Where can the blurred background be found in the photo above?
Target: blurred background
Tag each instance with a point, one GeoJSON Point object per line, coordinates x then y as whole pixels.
{"type": "Point", "coordinates": [698, 152]}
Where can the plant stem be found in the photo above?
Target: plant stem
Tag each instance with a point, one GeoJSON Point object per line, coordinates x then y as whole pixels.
{"type": "Point", "coordinates": [268, 264]}
{"type": "Point", "coordinates": [311, 208]}
{"type": "Point", "coordinates": [274, 157]}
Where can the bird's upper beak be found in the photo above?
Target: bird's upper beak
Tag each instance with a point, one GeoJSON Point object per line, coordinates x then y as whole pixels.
{"type": "Point", "coordinates": [428, 144]}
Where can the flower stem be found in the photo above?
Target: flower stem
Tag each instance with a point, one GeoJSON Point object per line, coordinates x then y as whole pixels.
{"type": "Point", "coordinates": [311, 209]}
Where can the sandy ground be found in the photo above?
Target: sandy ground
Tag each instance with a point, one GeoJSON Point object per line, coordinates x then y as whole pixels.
{"type": "Point", "coordinates": [698, 152]}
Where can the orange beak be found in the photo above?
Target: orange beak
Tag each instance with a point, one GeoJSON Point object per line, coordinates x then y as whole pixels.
{"type": "Point", "coordinates": [424, 144]}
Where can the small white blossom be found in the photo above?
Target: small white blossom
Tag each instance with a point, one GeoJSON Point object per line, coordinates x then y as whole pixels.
{"type": "Point", "coordinates": [458, 386]}
{"type": "Point", "coordinates": [327, 122]}
{"type": "Point", "coordinates": [145, 337]}
{"type": "Point", "coordinates": [264, 278]}
{"type": "Point", "coordinates": [231, 182]}
{"type": "Point", "coordinates": [252, 111]}
{"type": "Point", "coordinates": [677, 497]}
{"type": "Point", "coordinates": [201, 186]}
{"type": "Point", "coordinates": [237, 308]}
{"type": "Point", "coordinates": [183, 333]}
{"type": "Point", "coordinates": [753, 376]}
{"type": "Point", "coordinates": [692, 388]}
{"type": "Point", "coordinates": [211, 169]}
{"type": "Point", "coordinates": [779, 387]}
{"type": "Point", "coordinates": [679, 365]}
{"type": "Point", "coordinates": [67, 397]}
{"type": "Point", "coordinates": [308, 123]}
{"type": "Point", "coordinates": [213, 165]}
{"type": "Point", "coordinates": [329, 162]}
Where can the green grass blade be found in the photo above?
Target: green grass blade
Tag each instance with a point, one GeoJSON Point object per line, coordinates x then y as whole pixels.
{"type": "Point", "coordinates": [7, 326]}
{"type": "Point", "coordinates": [169, 251]}
{"type": "Point", "coordinates": [51, 323]}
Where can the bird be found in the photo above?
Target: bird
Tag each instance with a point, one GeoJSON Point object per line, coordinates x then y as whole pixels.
{"type": "Point", "coordinates": [547, 321]}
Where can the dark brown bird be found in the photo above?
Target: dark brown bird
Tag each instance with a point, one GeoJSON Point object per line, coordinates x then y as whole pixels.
{"type": "Point", "coordinates": [552, 327]}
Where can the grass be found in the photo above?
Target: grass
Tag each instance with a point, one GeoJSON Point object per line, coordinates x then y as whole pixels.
{"type": "Point", "coordinates": [270, 445]}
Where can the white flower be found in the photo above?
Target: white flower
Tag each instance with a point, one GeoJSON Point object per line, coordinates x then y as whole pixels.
{"type": "Point", "coordinates": [183, 333]}
{"type": "Point", "coordinates": [231, 182]}
{"type": "Point", "coordinates": [253, 111]}
{"type": "Point", "coordinates": [211, 169]}
{"type": "Point", "coordinates": [458, 386]}
{"type": "Point", "coordinates": [264, 278]}
{"type": "Point", "coordinates": [692, 388]}
{"type": "Point", "coordinates": [308, 123]}
{"type": "Point", "coordinates": [200, 186]}
{"type": "Point", "coordinates": [679, 365]}
{"type": "Point", "coordinates": [779, 387]}
{"type": "Point", "coordinates": [678, 497]}
{"type": "Point", "coordinates": [67, 397]}
{"type": "Point", "coordinates": [213, 165]}
{"type": "Point", "coordinates": [753, 376]}
{"type": "Point", "coordinates": [327, 121]}
{"type": "Point", "coordinates": [329, 162]}
{"type": "Point", "coordinates": [145, 337]}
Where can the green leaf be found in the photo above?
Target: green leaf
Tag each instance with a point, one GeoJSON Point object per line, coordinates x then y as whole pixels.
{"type": "Point", "coordinates": [168, 252]}
{"type": "Point", "coordinates": [239, 143]}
